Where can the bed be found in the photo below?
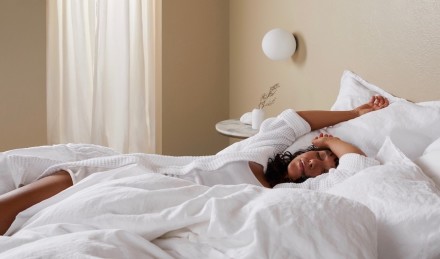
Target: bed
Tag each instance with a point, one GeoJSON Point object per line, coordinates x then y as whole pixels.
{"type": "Point", "coordinates": [126, 211]}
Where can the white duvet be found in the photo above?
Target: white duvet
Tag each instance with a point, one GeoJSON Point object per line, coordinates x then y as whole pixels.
{"type": "Point", "coordinates": [127, 212]}
{"type": "Point", "coordinates": [406, 203]}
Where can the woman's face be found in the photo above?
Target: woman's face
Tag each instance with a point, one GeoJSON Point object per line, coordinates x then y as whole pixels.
{"type": "Point", "coordinates": [311, 164]}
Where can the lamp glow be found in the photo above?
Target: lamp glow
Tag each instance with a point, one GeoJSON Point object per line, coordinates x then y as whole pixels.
{"type": "Point", "coordinates": [278, 44]}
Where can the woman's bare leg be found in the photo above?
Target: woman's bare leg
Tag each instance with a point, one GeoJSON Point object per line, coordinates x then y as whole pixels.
{"type": "Point", "coordinates": [15, 201]}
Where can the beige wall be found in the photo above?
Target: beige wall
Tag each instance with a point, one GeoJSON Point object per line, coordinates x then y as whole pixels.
{"type": "Point", "coordinates": [22, 73]}
{"type": "Point", "coordinates": [195, 84]}
{"type": "Point", "coordinates": [213, 67]}
{"type": "Point", "coordinates": [394, 44]}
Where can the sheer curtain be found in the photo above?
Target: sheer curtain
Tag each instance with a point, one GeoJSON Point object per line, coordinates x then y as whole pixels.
{"type": "Point", "coordinates": [100, 79]}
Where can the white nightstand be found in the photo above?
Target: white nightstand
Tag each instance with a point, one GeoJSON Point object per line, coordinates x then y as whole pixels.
{"type": "Point", "coordinates": [235, 128]}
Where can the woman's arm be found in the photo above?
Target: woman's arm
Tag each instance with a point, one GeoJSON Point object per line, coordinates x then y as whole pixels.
{"type": "Point", "coordinates": [336, 145]}
{"type": "Point", "coordinates": [322, 119]}
{"type": "Point", "coordinates": [16, 201]}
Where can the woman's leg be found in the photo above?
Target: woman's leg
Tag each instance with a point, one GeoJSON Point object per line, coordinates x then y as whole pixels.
{"type": "Point", "coordinates": [14, 202]}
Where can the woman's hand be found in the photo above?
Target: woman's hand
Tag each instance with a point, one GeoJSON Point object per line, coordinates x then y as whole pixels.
{"type": "Point", "coordinates": [336, 145]}
{"type": "Point", "coordinates": [376, 102]}
{"type": "Point", "coordinates": [322, 141]}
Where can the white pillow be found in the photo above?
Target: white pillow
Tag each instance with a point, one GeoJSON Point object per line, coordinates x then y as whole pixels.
{"type": "Point", "coordinates": [411, 126]}
{"type": "Point", "coordinates": [405, 201]}
{"type": "Point", "coordinates": [355, 91]}
{"type": "Point", "coordinates": [430, 165]}
{"type": "Point", "coordinates": [434, 146]}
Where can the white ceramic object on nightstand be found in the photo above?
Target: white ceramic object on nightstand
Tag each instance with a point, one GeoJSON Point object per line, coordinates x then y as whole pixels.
{"type": "Point", "coordinates": [257, 118]}
{"type": "Point", "coordinates": [246, 118]}
{"type": "Point", "coordinates": [235, 128]}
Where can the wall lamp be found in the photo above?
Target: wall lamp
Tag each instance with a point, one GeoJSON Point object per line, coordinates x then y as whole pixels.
{"type": "Point", "coordinates": [278, 44]}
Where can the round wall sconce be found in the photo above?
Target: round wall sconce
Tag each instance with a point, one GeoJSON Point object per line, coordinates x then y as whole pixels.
{"type": "Point", "coordinates": [278, 44]}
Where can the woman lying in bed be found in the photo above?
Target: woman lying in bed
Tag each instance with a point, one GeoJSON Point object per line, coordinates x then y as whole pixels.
{"type": "Point", "coordinates": [243, 162]}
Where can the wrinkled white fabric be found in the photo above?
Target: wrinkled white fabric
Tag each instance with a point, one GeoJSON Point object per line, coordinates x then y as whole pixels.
{"type": "Point", "coordinates": [127, 212]}
{"type": "Point", "coordinates": [406, 203]}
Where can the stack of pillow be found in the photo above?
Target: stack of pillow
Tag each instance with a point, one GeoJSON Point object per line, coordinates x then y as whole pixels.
{"type": "Point", "coordinates": [404, 191]}
{"type": "Point", "coordinates": [411, 126]}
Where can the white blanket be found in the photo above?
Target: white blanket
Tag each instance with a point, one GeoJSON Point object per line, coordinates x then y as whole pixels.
{"type": "Point", "coordinates": [406, 203]}
{"type": "Point", "coordinates": [127, 212]}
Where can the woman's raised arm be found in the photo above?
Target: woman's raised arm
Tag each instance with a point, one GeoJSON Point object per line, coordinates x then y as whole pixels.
{"type": "Point", "coordinates": [336, 145]}
{"type": "Point", "coordinates": [321, 119]}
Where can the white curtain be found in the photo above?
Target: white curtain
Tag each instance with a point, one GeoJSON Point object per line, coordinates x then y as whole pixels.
{"type": "Point", "coordinates": [100, 71]}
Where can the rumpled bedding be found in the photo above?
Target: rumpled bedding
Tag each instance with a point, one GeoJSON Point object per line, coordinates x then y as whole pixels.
{"type": "Point", "coordinates": [127, 211]}
{"type": "Point", "coordinates": [404, 199]}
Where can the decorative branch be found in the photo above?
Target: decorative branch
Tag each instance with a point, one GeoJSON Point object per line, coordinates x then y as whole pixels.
{"type": "Point", "coordinates": [265, 98]}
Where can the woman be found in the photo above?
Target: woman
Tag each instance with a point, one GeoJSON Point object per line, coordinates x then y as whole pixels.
{"type": "Point", "coordinates": [243, 162]}
{"type": "Point", "coordinates": [288, 170]}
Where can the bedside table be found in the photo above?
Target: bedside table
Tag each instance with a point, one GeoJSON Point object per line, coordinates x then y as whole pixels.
{"type": "Point", "coordinates": [235, 128]}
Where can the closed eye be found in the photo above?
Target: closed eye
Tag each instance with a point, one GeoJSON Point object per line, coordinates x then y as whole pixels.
{"type": "Point", "coordinates": [318, 155]}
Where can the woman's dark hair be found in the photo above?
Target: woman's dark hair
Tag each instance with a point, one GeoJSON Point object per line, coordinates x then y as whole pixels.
{"type": "Point", "coordinates": [276, 171]}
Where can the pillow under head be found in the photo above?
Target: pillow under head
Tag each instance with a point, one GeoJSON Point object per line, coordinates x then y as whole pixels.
{"type": "Point", "coordinates": [411, 126]}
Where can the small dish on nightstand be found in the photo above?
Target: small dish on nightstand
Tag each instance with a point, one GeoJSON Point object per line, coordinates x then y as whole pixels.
{"type": "Point", "coordinates": [235, 128]}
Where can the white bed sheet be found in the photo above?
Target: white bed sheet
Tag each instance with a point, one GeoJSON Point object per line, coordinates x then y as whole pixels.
{"type": "Point", "coordinates": [127, 212]}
